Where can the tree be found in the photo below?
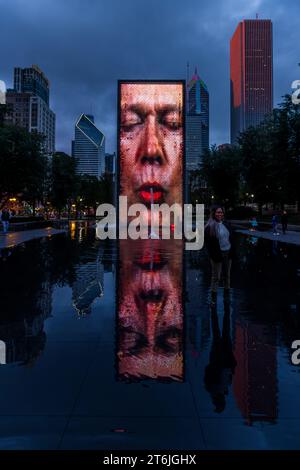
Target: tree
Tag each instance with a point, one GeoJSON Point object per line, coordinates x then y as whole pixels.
{"type": "Point", "coordinates": [94, 191]}
{"type": "Point", "coordinates": [270, 156]}
{"type": "Point", "coordinates": [221, 168]}
{"type": "Point", "coordinates": [286, 150]}
{"type": "Point", "coordinates": [256, 168]}
{"type": "Point", "coordinates": [5, 110]}
{"type": "Point", "coordinates": [23, 165]}
{"type": "Point", "coordinates": [64, 182]}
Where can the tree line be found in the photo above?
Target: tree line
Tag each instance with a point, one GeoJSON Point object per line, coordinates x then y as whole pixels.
{"type": "Point", "coordinates": [263, 167]}
{"type": "Point", "coordinates": [27, 173]}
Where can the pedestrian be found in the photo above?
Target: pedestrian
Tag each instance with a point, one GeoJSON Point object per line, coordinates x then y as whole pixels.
{"type": "Point", "coordinates": [5, 218]}
{"type": "Point", "coordinates": [219, 243]}
{"type": "Point", "coordinates": [275, 224]}
{"type": "Point", "coordinates": [284, 222]}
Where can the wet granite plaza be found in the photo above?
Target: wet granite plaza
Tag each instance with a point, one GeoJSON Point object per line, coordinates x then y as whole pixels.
{"type": "Point", "coordinates": [113, 345]}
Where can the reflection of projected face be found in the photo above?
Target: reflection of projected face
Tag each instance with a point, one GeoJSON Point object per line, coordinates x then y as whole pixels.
{"type": "Point", "coordinates": [151, 142]}
{"type": "Point", "coordinates": [150, 314]}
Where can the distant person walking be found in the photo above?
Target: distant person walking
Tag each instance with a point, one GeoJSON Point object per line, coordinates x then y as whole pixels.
{"type": "Point", "coordinates": [219, 243]}
{"type": "Point", "coordinates": [5, 218]}
{"type": "Point", "coordinates": [284, 222]}
{"type": "Point", "coordinates": [275, 224]}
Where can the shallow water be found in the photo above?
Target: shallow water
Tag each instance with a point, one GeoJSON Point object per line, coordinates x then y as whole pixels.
{"type": "Point", "coordinates": [115, 346]}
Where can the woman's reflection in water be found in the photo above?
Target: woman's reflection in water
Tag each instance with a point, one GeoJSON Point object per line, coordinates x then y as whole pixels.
{"type": "Point", "coordinates": [219, 372]}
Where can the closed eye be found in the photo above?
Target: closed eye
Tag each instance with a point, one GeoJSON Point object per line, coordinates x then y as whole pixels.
{"type": "Point", "coordinates": [171, 119]}
{"type": "Point", "coordinates": [129, 120]}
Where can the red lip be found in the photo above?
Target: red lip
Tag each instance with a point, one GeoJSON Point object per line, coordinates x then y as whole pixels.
{"type": "Point", "coordinates": [151, 192]}
{"type": "Point", "coordinates": [151, 261]}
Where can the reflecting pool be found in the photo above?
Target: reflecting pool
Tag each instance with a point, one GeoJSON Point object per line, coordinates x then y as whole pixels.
{"type": "Point", "coordinates": [114, 345]}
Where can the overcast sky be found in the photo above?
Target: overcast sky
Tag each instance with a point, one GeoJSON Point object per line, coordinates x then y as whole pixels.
{"type": "Point", "coordinates": [85, 46]}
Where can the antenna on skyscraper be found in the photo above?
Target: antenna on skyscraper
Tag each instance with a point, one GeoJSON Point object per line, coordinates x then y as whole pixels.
{"type": "Point", "coordinates": [257, 16]}
{"type": "Point", "coordinates": [187, 83]}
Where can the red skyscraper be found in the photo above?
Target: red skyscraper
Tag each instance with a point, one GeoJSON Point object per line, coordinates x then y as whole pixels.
{"type": "Point", "coordinates": [251, 74]}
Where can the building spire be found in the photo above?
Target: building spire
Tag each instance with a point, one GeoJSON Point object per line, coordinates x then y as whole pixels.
{"type": "Point", "coordinates": [196, 76]}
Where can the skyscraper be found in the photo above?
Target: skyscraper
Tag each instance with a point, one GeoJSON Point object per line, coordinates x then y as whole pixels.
{"type": "Point", "coordinates": [32, 80]}
{"type": "Point", "coordinates": [251, 74]}
{"type": "Point", "coordinates": [197, 121]}
{"type": "Point", "coordinates": [29, 104]}
{"type": "Point", "coordinates": [110, 163]}
{"type": "Point", "coordinates": [89, 147]}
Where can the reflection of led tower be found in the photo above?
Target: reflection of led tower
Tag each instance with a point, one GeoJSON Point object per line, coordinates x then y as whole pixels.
{"type": "Point", "coordinates": [255, 379]}
{"type": "Point", "coordinates": [197, 121]}
{"type": "Point", "coordinates": [150, 310]}
{"type": "Point", "coordinates": [89, 147]}
{"type": "Point", "coordinates": [251, 74]}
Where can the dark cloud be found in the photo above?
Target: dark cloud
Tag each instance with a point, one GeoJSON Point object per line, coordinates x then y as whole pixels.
{"type": "Point", "coordinates": [85, 46]}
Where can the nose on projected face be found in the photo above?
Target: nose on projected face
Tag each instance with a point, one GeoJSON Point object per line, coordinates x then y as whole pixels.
{"type": "Point", "coordinates": [2, 92]}
{"type": "Point", "coordinates": [2, 352]}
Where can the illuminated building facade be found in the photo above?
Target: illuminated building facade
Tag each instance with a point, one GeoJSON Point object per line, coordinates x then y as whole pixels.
{"type": "Point", "coordinates": [251, 74]}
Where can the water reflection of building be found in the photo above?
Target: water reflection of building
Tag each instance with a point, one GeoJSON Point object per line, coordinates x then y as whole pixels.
{"type": "Point", "coordinates": [88, 285]}
{"type": "Point", "coordinates": [262, 280]}
{"type": "Point", "coordinates": [150, 310]}
{"type": "Point", "coordinates": [24, 340]}
{"type": "Point", "coordinates": [255, 380]}
{"type": "Point", "coordinates": [197, 320]}
{"type": "Point", "coordinates": [24, 335]}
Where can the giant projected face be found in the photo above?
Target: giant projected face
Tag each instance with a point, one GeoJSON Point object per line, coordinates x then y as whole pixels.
{"type": "Point", "coordinates": [151, 142]}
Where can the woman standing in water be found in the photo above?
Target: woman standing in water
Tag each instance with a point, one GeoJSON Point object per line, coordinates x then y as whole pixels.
{"type": "Point", "coordinates": [219, 243]}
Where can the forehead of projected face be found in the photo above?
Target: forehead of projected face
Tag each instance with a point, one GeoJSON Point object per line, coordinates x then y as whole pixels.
{"type": "Point", "coordinates": [151, 95]}
{"type": "Point", "coordinates": [151, 123]}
